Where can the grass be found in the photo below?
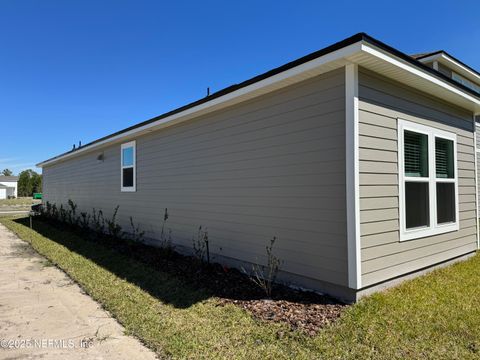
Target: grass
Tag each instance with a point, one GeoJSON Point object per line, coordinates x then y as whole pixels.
{"type": "Point", "coordinates": [434, 316]}
{"type": "Point", "coordinates": [27, 201]}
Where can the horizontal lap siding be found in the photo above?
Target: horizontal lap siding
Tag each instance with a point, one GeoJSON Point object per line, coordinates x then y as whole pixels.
{"type": "Point", "coordinates": [383, 255]}
{"type": "Point", "coordinates": [274, 166]}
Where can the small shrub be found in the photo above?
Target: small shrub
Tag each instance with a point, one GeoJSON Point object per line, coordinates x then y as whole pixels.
{"type": "Point", "coordinates": [166, 235]}
{"type": "Point", "coordinates": [62, 213]}
{"type": "Point", "coordinates": [72, 213]}
{"type": "Point", "coordinates": [48, 210]}
{"type": "Point", "coordinates": [265, 276]}
{"type": "Point", "coordinates": [114, 229]}
{"type": "Point", "coordinates": [84, 221]}
{"type": "Point", "coordinates": [55, 215]}
{"type": "Point", "coordinates": [98, 222]}
{"type": "Point", "coordinates": [136, 234]}
{"type": "Point", "coordinates": [201, 249]}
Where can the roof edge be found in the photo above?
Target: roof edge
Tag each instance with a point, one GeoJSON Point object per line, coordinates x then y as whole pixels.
{"type": "Point", "coordinates": [443, 52]}
{"type": "Point", "coordinates": [359, 37]}
{"type": "Point", "coordinates": [312, 56]}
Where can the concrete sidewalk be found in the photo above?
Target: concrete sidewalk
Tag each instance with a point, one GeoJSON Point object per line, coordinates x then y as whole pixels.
{"type": "Point", "coordinates": [43, 314]}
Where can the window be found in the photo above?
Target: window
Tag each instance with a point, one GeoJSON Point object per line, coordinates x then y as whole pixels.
{"type": "Point", "coordinates": [427, 181]}
{"type": "Point", "coordinates": [128, 171]}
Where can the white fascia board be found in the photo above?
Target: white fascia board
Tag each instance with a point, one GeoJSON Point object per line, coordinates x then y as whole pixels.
{"type": "Point", "coordinates": [418, 72]}
{"type": "Point", "coordinates": [222, 101]}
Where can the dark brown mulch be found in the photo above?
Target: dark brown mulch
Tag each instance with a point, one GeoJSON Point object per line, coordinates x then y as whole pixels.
{"type": "Point", "coordinates": [307, 317]}
{"type": "Point", "coordinates": [301, 310]}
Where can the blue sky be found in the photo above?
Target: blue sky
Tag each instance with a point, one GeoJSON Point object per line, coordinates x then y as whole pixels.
{"type": "Point", "coordinates": [79, 70]}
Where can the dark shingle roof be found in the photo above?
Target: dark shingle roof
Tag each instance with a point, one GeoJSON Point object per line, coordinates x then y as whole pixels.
{"type": "Point", "coordinates": [424, 55]}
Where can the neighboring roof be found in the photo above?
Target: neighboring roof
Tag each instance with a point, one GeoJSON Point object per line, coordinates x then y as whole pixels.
{"type": "Point", "coordinates": [439, 53]}
{"type": "Point", "coordinates": [358, 38]}
{"type": "Point", "coordinates": [422, 55]}
{"type": "Point", "coordinates": [3, 186]}
{"type": "Point", "coordinates": [8, 178]}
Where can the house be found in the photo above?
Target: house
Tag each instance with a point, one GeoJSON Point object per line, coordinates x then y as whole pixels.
{"type": "Point", "coordinates": [359, 158]}
{"type": "Point", "coordinates": [8, 187]}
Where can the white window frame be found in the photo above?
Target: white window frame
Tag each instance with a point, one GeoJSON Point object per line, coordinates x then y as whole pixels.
{"type": "Point", "coordinates": [131, 144]}
{"type": "Point", "coordinates": [434, 228]}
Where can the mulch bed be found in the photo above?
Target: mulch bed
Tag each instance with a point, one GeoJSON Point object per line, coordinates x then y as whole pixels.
{"type": "Point", "coordinates": [307, 317]}
{"type": "Point", "coordinates": [301, 310]}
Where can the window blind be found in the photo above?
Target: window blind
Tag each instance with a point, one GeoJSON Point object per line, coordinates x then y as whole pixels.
{"type": "Point", "coordinates": [415, 154]}
{"type": "Point", "coordinates": [444, 158]}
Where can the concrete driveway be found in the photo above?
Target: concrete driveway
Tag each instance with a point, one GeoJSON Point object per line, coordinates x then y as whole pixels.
{"type": "Point", "coordinates": [43, 314]}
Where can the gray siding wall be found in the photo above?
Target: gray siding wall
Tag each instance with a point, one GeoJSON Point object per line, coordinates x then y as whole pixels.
{"type": "Point", "coordinates": [274, 166]}
{"type": "Point", "coordinates": [381, 103]}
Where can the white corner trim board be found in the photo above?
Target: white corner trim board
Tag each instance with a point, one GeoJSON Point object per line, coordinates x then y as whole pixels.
{"type": "Point", "coordinates": [352, 176]}
{"type": "Point", "coordinates": [476, 176]}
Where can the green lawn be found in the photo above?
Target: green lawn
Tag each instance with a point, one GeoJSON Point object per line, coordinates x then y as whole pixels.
{"type": "Point", "coordinates": [27, 201]}
{"type": "Point", "coordinates": [432, 317]}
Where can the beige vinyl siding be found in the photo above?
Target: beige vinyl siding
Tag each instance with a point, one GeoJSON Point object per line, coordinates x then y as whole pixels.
{"type": "Point", "coordinates": [383, 255]}
{"type": "Point", "coordinates": [273, 166]}
{"type": "Point", "coordinates": [477, 128]}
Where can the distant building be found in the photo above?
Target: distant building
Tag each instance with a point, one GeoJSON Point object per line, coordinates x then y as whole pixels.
{"type": "Point", "coordinates": [8, 186]}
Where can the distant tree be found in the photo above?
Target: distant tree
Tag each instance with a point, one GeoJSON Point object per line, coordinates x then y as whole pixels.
{"type": "Point", "coordinates": [36, 181]}
{"type": "Point", "coordinates": [7, 172]}
{"type": "Point", "coordinates": [24, 183]}
{"type": "Point", "coordinates": [29, 182]}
